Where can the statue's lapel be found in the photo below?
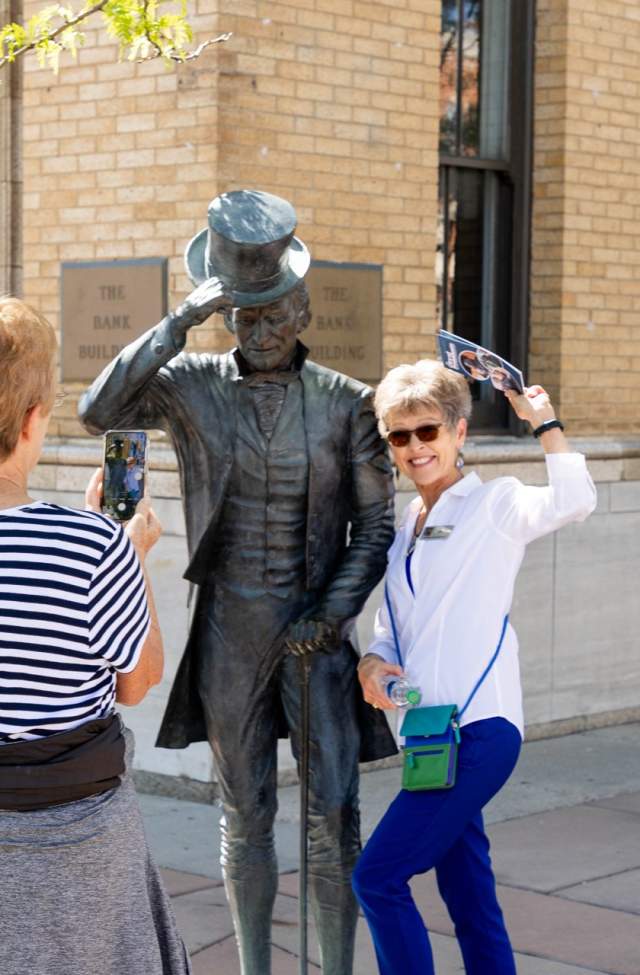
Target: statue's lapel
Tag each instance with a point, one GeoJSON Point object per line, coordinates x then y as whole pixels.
{"type": "Point", "coordinates": [315, 419]}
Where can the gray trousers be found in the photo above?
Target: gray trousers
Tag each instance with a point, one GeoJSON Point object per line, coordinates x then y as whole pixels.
{"type": "Point", "coordinates": [245, 683]}
{"type": "Point", "coordinates": [80, 892]}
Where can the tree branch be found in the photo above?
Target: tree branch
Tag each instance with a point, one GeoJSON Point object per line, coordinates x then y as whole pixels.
{"type": "Point", "coordinates": [55, 33]}
{"type": "Point", "coordinates": [191, 56]}
{"type": "Point", "coordinates": [166, 49]}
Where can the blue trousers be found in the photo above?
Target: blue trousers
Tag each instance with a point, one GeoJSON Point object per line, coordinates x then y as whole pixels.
{"type": "Point", "coordinates": [444, 830]}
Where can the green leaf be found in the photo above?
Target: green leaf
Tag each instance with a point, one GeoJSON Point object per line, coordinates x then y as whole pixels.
{"type": "Point", "coordinates": [142, 29]}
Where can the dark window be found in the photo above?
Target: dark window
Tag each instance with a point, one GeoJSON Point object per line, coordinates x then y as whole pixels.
{"type": "Point", "coordinates": [486, 71]}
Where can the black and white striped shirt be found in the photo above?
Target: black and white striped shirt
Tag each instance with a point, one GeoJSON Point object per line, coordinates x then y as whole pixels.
{"type": "Point", "coordinates": [73, 611]}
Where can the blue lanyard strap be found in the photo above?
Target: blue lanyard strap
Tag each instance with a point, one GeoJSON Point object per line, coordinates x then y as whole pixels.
{"type": "Point", "coordinates": [393, 625]}
{"type": "Point", "coordinates": [407, 570]}
{"type": "Point", "coordinates": [487, 668]}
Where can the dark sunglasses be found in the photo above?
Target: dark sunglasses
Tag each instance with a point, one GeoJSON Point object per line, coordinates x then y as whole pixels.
{"type": "Point", "coordinates": [425, 434]}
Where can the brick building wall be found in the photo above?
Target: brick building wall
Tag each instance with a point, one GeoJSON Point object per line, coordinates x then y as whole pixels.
{"type": "Point", "coordinates": [119, 161]}
{"type": "Point", "coordinates": [334, 104]}
{"type": "Point", "coordinates": [330, 103]}
{"type": "Point", "coordinates": [585, 286]}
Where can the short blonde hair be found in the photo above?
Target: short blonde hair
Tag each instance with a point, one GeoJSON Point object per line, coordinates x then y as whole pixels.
{"type": "Point", "coordinates": [27, 359]}
{"type": "Point", "coordinates": [408, 389]}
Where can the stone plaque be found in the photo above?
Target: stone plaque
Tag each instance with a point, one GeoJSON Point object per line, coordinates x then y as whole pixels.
{"type": "Point", "coordinates": [346, 325]}
{"type": "Point", "coordinates": [105, 305]}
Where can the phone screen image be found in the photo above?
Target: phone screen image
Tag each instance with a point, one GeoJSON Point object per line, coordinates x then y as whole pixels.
{"type": "Point", "coordinates": [125, 454]}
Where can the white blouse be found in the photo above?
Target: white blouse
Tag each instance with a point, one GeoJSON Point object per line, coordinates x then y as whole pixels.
{"type": "Point", "coordinates": [463, 584]}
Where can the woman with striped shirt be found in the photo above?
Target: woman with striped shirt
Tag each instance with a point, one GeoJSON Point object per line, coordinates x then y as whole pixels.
{"type": "Point", "coordinates": [78, 633]}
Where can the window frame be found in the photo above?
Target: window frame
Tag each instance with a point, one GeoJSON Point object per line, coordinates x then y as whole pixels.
{"type": "Point", "coordinates": [517, 170]}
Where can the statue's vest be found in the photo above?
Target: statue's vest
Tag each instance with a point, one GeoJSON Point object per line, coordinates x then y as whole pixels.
{"type": "Point", "coordinates": [261, 532]}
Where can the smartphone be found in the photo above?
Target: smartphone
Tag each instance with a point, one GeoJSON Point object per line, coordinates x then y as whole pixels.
{"type": "Point", "coordinates": [124, 472]}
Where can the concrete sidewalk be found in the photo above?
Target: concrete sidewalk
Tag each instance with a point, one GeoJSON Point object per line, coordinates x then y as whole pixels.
{"type": "Point", "coordinates": [565, 836]}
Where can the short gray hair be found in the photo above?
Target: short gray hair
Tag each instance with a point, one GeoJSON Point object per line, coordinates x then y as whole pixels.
{"type": "Point", "coordinates": [427, 383]}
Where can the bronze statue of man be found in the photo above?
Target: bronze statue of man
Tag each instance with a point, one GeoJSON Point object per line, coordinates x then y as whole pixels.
{"type": "Point", "coordinates": [288, 502]}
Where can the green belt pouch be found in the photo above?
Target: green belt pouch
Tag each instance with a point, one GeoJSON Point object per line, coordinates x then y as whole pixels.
{"type": "Point", "coordinates": [430, 753]}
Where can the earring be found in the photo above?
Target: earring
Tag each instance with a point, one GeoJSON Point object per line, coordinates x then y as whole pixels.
{"type": "Point", "coordinates": [396, 471]}
{"type": "Point", "coordinates": [460, 461]}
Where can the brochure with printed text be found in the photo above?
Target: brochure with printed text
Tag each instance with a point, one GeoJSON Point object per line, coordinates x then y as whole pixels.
{"type": "Point", "coordinates": [475, 362]}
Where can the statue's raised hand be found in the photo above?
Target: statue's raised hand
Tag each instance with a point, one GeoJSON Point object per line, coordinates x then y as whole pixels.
{"type": "Point", "coordinates": [207, 299]}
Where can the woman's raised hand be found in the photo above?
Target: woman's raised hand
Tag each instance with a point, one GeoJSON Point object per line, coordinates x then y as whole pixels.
{"type": "Point", "coordinates": [533, 405]}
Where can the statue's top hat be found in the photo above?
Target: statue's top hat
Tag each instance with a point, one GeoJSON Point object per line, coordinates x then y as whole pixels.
{"type": "Point", "coordinates": [249, 245]}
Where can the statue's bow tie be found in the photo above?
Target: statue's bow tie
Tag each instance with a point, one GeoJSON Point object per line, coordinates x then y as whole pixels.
{"type": "Point", "coordinates": [279, 378]}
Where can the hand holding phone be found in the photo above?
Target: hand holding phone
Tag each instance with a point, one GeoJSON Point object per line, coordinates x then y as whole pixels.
{"type": "Point", "coordinates": [144, 529]}
{"type": "Point", "coordinates": [124, 473]}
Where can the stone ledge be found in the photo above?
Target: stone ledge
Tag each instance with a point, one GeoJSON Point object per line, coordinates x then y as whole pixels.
{"type": "Point", "coordinates": [176, 787]}
{"type": "Point", "coordinates": [502, 450]}
{"type": "Point", "coordinates": [87, 451]}
{"type": "Point", "coordinates": [182, 787]}
{"type": "Point", "coordinates": [581, 722]}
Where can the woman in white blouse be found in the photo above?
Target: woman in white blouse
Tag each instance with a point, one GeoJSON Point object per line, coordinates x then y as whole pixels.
{"type": "Point", "coordinates": [450, 578]}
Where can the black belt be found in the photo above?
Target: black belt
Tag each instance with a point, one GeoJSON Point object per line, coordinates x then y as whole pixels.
{"type": "Point", "coordinates": [64, 767]}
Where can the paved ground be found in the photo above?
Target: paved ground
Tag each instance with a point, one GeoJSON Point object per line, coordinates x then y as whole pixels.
{"type": "Point", "coordinates": [565, 836]}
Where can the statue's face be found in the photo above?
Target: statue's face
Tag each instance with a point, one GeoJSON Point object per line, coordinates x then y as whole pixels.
{"type": "Point", "coordinates": [267, 334]}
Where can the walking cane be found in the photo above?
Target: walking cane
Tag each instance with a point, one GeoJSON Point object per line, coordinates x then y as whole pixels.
{"type": "Point", "coordinates": [305, 674]}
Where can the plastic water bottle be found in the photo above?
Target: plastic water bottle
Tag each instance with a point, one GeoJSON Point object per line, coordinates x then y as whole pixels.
{"type": "Point", "coordinates": [400, 692]}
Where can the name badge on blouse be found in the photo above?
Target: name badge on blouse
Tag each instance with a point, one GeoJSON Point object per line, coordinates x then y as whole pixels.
{"type": "Point", "coordinates": [437, 531]}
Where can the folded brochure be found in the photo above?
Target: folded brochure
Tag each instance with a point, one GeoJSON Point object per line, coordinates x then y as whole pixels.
{"type": "Point", "coordinates": [475, 362]}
